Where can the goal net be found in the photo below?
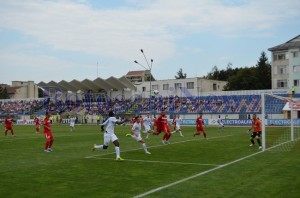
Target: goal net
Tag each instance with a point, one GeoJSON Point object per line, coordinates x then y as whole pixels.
{"type": "Point", "coordinates": [281, 126]}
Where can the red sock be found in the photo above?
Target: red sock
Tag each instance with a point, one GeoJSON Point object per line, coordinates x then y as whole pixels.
{"type": "Point", "coordinates": [51, 142]}
{"type": "Point", "coordinates": [204, 134]}
{"type": "Point", "coordinates": [12, 132]}
{"type": "Point", "coordinates": [47, 145]}
{"type": "Point", "coordinates": [165, 136]}
{"type": "Point", "coordinates": [168, 136]}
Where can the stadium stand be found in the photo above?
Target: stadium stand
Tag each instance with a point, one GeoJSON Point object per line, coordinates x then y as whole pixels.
{"type": "Point", "coordinates": [99, 104]}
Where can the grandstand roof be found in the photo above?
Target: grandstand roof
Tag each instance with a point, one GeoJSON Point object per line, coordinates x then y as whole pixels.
{"type": "Point", "coordinates": [291, 44]}
{"type": "Point", "coordinates": [118, 85]}
{"type": "Point", "coordinates": [96, 85]}
{"type": "Point", "coordinates": [127, 82]}
{"type": "Point", "coordinates": [79, 85]}
{"type": "Point", "coordinates": [93, 86]}
{"type": "Point", "coordinates": [68, 86]}
{"type": "Point", "coordinates": [102, 83]}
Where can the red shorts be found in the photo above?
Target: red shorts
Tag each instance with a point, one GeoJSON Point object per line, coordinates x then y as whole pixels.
{"type": "Point", "coordinates": [164, 128]}
{"type": "Point", "coordinates": [200, 128]}
{"type": "Point", "coordinates": [48, 135]}
{"type": "Point", "coordinates": [8, 127]}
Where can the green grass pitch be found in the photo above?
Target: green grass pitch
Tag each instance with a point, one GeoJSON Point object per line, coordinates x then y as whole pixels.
{"type": "Point", "coordinates": [222, 166]}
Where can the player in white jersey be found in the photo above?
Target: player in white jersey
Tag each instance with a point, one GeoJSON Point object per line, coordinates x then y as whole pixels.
{"type": "Point", "coordinates": [136, 133]}
{"type": "Point", "coordinates": [176, 122]}
{"type": "Point", "coordinates": [147, 122]}
{"type": "Point", "coordinates": [72, 123]}
{"type": "Point", "coordinates": [109, 134]}
{"type": "Point", "coordinates": [220, 123]}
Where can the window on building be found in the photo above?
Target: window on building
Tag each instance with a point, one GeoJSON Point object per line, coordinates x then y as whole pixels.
{"type": "Point", "coordinates": [143, 89]}
{"type": "Point", "coordinates": [296, 82]}
{"type": "Point", "coordinates": [282, 70]}
{"type": "Point", "coordinates": [282, 83]}
{"type": "Point", "coordinates": [177, 86]}
{"type": "Point", "coordinates": [295, 54]}
{"type": "Point", "coordinates": [214, 86]}
{"type": "Point", "coordinates": [279, 57]}
{"type": "Point", "coordinates": [165, 86]}
{"type": "Point", "coordinates": [190, 85]}
{"type": "Point", "coordinates": [296, 68]}
{"type": "Point", "coordinates": [154, 87]}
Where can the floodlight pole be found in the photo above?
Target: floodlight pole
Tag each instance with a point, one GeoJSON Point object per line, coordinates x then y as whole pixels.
{"type": "Point", "coordinates": [150, 70]}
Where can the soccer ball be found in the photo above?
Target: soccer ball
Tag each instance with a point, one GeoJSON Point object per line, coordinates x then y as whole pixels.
{"type": "Point", "coordinates": [155, 92]}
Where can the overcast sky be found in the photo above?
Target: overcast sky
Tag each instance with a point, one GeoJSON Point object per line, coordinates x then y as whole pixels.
{"type": "Point", "coordinates": [44, 40]}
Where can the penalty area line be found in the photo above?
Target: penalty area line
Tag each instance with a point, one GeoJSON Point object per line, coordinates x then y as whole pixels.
{"type": "Point", "coordinates": [155, 146]}
{"type": "Point", "coordinates": [163, 162]}
{"type": "Point", "coordinates": [205, 172]}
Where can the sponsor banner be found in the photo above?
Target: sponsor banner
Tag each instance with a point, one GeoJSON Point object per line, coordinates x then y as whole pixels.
{"type": "Point", "coordinates": [65, 121]}
{"type": "Point", "coordinates": [282, 122]}
{"type": "Point", "coordinates": [237, 122]}
{"type": "Point", "coordinates": [192, 122]}
{"type": "Point", "coordinates": [24, 121]}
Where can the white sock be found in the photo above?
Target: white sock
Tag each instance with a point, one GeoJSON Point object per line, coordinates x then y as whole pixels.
{"type": "Point", "coordinates": [117, 151]}
{"type": "Point", "coordinates": [145, 147]}
{"type": "Point", "coordinates": [173, 131]}
{"type": "Point", "coordinates": [180, 133]}
{"type": "Point", "coordinates": [147, 135]}
{"type": "Point", "coordinates": [98, 146]}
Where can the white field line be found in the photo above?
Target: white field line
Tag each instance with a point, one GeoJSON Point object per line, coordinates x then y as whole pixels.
{"type": "Point", "coordinates": [162, 162]}
{"type": "Point", "coordinates": [203, 173]}
{"type": "Point", "coordinates": [195, 139]}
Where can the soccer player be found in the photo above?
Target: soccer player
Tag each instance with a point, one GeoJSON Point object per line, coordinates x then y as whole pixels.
{"type": "Point", "coordinates": [176, 122]}
{"type": "Point", "coordinates": [72, 123]}
{"type": "Point", "coordinates": [200, 126]}
{"type": "Point", "coordinates": [9, 125]}
{"type": "Point", "coordinates": [147, 125]}
{"type": "Point", "coordinates": [136, 133]}
{"type": "Point", "coordinates": [220, 123]}
{"type": "Point", "coordinates": [48, 133]}
{"type": "Point", "coordinates": [37, 121]}
{"type": "Point", "coordinates": [162, 126]}
{"type": "Point", "coordinates": [109, 135]}
{"type": "Point", "coordinates": [256, 133]}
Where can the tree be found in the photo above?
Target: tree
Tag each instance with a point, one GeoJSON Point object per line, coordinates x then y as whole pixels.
{"type": "Point", "coordinates": [263, 72]}
{"type": "Point", "coordinates": [3, 93]}
{"type": "Point", "coordinates": [180, 74]}
{"type": "Point", "coordinates": [245, 79]}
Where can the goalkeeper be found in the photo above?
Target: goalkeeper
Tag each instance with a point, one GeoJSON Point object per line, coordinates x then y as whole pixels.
{"type": "Point", "coordinates": [256, 131]}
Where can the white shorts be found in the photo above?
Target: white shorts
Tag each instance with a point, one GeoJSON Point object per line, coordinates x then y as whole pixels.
{"type": "Point", "coordinates": [147, 128]}
{"type": "Point", "coordinates": [137, 138]}
{"type": "Point", "coordinates": [72, 124]}
{"type": "Point", "coordinates": [109, 138]}
{"type": "Point", "coordinates": [177, 128]}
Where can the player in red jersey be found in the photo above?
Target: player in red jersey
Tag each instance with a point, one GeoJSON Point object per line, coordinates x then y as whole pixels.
{"type": "Point", "coordinates": [37, 124]}
{"type": "Point", "coordinates": [9, 125]}
{"type": "Point", "coordinates": [256, 133]}
{"type": "Point", "coordinates": [200, 126]}
{"type": "Point", "coordinates": [162, 126]}
{"type": "Point", "coordinates": [48, 133]}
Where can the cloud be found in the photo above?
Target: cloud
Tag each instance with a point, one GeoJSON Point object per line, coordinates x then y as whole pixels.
{"type": "Point", "coordinates": [119, 33]}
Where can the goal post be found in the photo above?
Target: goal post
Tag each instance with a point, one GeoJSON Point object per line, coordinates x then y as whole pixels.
{"type": "Point", "coordinates": [280, 121]}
